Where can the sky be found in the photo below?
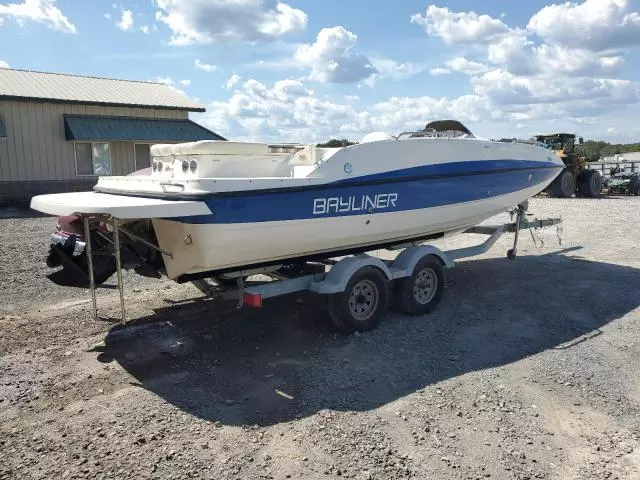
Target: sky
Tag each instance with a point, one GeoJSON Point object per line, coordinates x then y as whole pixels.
{"type": "Point", "coordinates": [311, 70]}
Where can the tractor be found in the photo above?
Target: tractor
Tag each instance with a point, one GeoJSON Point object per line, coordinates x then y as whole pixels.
{"type": "Point", "coordinates": [575, 177]}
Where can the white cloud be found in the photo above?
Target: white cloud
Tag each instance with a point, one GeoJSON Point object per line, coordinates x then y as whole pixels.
{"type": "Point", "coordinates": [578, 97]}
{"type": "Point", "coordinates": [460, 27]}
{"type": "Point", "coordinates": [575, 62]}
{"type": "Point", "coordinates": [144, 29]}
{"type": "Point", "coordinates": [288, 110]}
{"type": "Point", "coordinates": [388, 68]}
{"type": "Point", "coordinates": [564, 67]}
{"type": "Point", "coordinates": [4, 64]}
{"type": "Point", "coordinates": [205, 66]}
{"type": "Point", "coordinates": [513, 52]}
{"type": "Point", "coordinates": [208, 21]}
{"type": "Point", "coordinates": [185, 82]}
{"type": "Point", "coordinates": [107, 16]}
{"type": "Point", "coordinates": [164, 80]}
{"type": "Point", "coordinates": [439, 71]}
{"type": "Point", "coordinates": [41, 11]}
{"type": "Point", "coordinates": [595, 25]}
{"type": "Point", "coordinates": [520, 82]}
{"type": "Point", "coordinates": [126, 20]}
{"type": "Point", "coordinates": [468, 67]}
{"type": "Point", "coordinates": [233, 81]}
{"type": "Point", "coordinates": [330, 59]}
{"type": "Point", "coordinates": [521, 56]}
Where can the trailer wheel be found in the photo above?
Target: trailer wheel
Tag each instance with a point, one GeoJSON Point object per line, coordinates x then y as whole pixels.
{"type": "Point", "coordinates": [420, 293]}
{"type": "Point", "coordinates": [590, 184]}
{"type": "Point", "coordinates": [362, 304]}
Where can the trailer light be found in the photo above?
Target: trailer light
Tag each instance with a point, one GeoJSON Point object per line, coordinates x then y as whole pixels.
{"type": "Point", "coordinates": [185, 166]}
{"type": "Point", "coordinates": [193, 166]}
{"type": "Point", "coordinates": [253, 300]}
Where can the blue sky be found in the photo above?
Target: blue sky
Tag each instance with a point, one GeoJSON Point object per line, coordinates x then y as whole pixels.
{"type": "Point", "coordinates": [309, 70]}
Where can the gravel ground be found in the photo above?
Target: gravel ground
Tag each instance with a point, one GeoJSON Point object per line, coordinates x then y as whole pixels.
{"type": "Point", "coordinates": [528, 369]}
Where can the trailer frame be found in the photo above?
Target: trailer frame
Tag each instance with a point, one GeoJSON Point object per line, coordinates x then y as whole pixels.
{"type": "Point", "coordinates": [378, 276]}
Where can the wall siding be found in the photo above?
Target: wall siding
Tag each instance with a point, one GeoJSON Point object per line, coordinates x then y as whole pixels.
{"type": "Point", "coordinates": [36, 150]}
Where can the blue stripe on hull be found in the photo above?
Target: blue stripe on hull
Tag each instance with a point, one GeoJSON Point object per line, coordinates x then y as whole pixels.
{"type": "Point", "coordinates": [451, 169]}
{"type": "Point", "coordinates": [396, 195]}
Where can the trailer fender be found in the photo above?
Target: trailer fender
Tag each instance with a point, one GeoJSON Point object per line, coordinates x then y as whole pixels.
{"type": "Point", "coordinates": [338, 277]}
{"type": "Point", "coordinates": [405, 262]}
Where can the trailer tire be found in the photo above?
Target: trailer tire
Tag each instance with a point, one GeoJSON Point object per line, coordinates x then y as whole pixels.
{"type": "Point", "coordinates": [363, 303]}
{"type": "Point", "coordinates": [420, 293]}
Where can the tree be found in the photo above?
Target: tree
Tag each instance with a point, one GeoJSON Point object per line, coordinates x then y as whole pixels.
{"type": "Point", "coordinates": [594, 150]}
{"type": "Point", "coordinates": [335, 143]}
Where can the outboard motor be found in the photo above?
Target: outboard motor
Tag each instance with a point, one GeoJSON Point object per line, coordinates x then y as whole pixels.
{"type": "Point", "coordinates": [67, 248]}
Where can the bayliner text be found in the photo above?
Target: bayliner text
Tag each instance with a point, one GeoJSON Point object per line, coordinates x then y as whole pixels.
{"type": "Point", "coordinates": [380, 201]}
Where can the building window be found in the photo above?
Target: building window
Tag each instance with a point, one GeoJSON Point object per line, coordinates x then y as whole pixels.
{"type": "Point", "coordinates": [143, 155]}
{"type": "Point", "coordinates": [93, 159]}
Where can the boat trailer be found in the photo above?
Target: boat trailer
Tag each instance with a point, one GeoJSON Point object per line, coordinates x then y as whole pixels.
{"type": "Point", "coordinates": [358, 287]}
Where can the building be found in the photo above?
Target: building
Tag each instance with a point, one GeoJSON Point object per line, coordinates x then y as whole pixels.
{"type": "Point", "coordinates": [624, 157]}
{"type": "Point", "coordinates": [60, 132]}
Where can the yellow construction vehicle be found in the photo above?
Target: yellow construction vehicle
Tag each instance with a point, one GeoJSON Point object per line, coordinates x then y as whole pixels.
{"type": "Point", "coordinates": [576, 177]}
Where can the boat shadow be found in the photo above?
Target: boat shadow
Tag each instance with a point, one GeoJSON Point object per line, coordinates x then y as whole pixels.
{"type": "Point", "coordinates": [246, 367]}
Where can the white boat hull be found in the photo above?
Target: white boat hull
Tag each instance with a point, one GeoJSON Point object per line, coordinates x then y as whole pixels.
{"type": "Point", "coordinates": [211, 247]}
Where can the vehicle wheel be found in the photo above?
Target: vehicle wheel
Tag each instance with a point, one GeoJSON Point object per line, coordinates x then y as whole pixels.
{"type": "Point", "coordinates": [590, 184]}
{"type": "Point", "coordinates": [420, 293]}
{"type": "Point", "coordinates": [363, 303]}
{"type": "Point", "coordinates": [564, 185]}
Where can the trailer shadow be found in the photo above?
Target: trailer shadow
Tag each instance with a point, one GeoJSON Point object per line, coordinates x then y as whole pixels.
{"type": "Point", "coordinates": [284, 362]}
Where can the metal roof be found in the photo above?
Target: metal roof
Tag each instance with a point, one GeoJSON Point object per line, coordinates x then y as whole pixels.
{"type": "Point", "coordinates": [92, 127]}
{"type": "Point", "coordinates": [63, 88]}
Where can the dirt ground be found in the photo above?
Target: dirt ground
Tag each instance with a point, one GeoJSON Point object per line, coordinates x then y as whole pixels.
{"type": "Point", "coordinates": [528, 369]}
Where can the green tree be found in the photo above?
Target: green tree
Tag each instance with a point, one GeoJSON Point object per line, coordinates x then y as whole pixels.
{"type": "Point", "coordinates": [594, 150]}
{"type": "Point", "coordinates": [335, 143]}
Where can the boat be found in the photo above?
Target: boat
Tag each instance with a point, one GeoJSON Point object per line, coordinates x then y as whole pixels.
{"type": "Point", "coordinates": [220, 209]}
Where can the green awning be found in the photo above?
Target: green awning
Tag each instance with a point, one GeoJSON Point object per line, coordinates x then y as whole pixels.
{"type": "Point", "coordinates": [3, 130]}
{"type": "Point", "coordinates": [132, 129]}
